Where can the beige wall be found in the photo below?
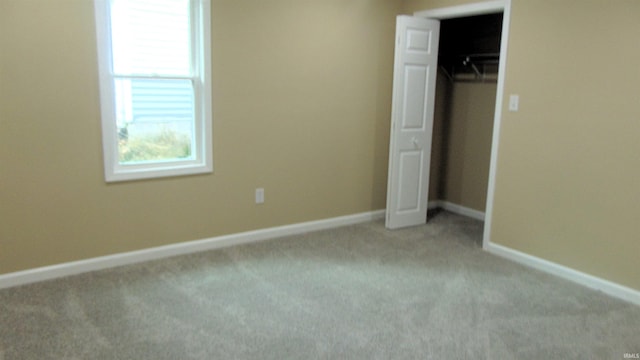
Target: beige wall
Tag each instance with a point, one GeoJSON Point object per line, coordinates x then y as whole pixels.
{"type": "Point", "coordinates": [302, 101]}
{"type": "Point", "coordinates": [467, 152]}
{"type": "Point", "coordinates": [567, 186]}
{"type": "Point", "coordinates": [569, 161]}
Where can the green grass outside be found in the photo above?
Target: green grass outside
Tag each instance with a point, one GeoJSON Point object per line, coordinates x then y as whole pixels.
{"type": "Point", "coordinates": [164, 145]}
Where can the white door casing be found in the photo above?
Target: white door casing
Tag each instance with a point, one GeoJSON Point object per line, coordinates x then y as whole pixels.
{"type": "Point", "coordinates": [414, 80]}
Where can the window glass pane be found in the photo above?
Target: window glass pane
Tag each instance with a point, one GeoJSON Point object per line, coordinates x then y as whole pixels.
{"type": "Point", "coordinates": [155, 120]}
{"type": "Point", "coordinates": [151, 37]}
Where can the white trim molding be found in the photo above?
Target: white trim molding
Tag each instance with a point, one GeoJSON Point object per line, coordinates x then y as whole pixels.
{"type": "Point", "coordinates": [456, 209]}
{"type": "Point", "coordinates": [473, 9]}
{"type": "Point", "coordinates": [160, 252]}
{"type": "Point", "coordinates": [590, 281]}
{"type": "Point", "coordinates": [462, 210]}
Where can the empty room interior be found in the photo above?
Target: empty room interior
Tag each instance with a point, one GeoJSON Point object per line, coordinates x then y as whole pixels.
{"type": "Point", "coordinates": [273, 235]}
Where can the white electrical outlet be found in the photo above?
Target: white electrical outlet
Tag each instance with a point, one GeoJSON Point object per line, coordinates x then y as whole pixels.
{"type": "Point", "coordinates": [259, 195]}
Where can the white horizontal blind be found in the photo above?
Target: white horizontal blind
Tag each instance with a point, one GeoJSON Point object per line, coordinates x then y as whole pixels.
{"type": "Point", "coordinates": [153, 80]}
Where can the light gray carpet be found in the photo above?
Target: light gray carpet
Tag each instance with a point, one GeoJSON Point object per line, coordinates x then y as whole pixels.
{"type": "Point", "coordinates": [358, 292]}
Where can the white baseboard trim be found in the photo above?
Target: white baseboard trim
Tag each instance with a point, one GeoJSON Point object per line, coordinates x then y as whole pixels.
{"type": "Point", "coordinates": [132, 257]}
{"type": "Point", "coordinates": [456, 209]}
{"type": "Point", "coordinates": [607, 287]}
{"type": "Point", "coordinates": [434, 204]}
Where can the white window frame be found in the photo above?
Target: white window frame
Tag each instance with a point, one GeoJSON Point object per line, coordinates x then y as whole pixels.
{"type": "Point", "coordinates": [202, 161]}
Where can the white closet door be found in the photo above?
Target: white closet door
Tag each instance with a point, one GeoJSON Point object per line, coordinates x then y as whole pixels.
{"type": "Point", "coordinates": [414, 81]}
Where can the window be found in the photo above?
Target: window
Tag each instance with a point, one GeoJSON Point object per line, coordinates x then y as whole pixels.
{"type": "Point", "coordinates": [155, 87]}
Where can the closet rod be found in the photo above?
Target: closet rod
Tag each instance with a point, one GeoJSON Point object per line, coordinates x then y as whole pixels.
{"type": "Point", "coordinates": [477, 65]}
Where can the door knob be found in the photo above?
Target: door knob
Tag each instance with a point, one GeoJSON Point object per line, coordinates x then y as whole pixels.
{"type": "Point", "coordinates": [415, 142]}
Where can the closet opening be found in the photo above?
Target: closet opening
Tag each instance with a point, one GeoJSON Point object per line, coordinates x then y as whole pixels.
{"type": "Point", "coordinates": [465, 108]}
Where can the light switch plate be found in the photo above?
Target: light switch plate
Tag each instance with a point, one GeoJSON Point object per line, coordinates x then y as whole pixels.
{"type": "Point", "coordinates": [259, 195]}
{"type": "Point", "coordinates": [514, 102]}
